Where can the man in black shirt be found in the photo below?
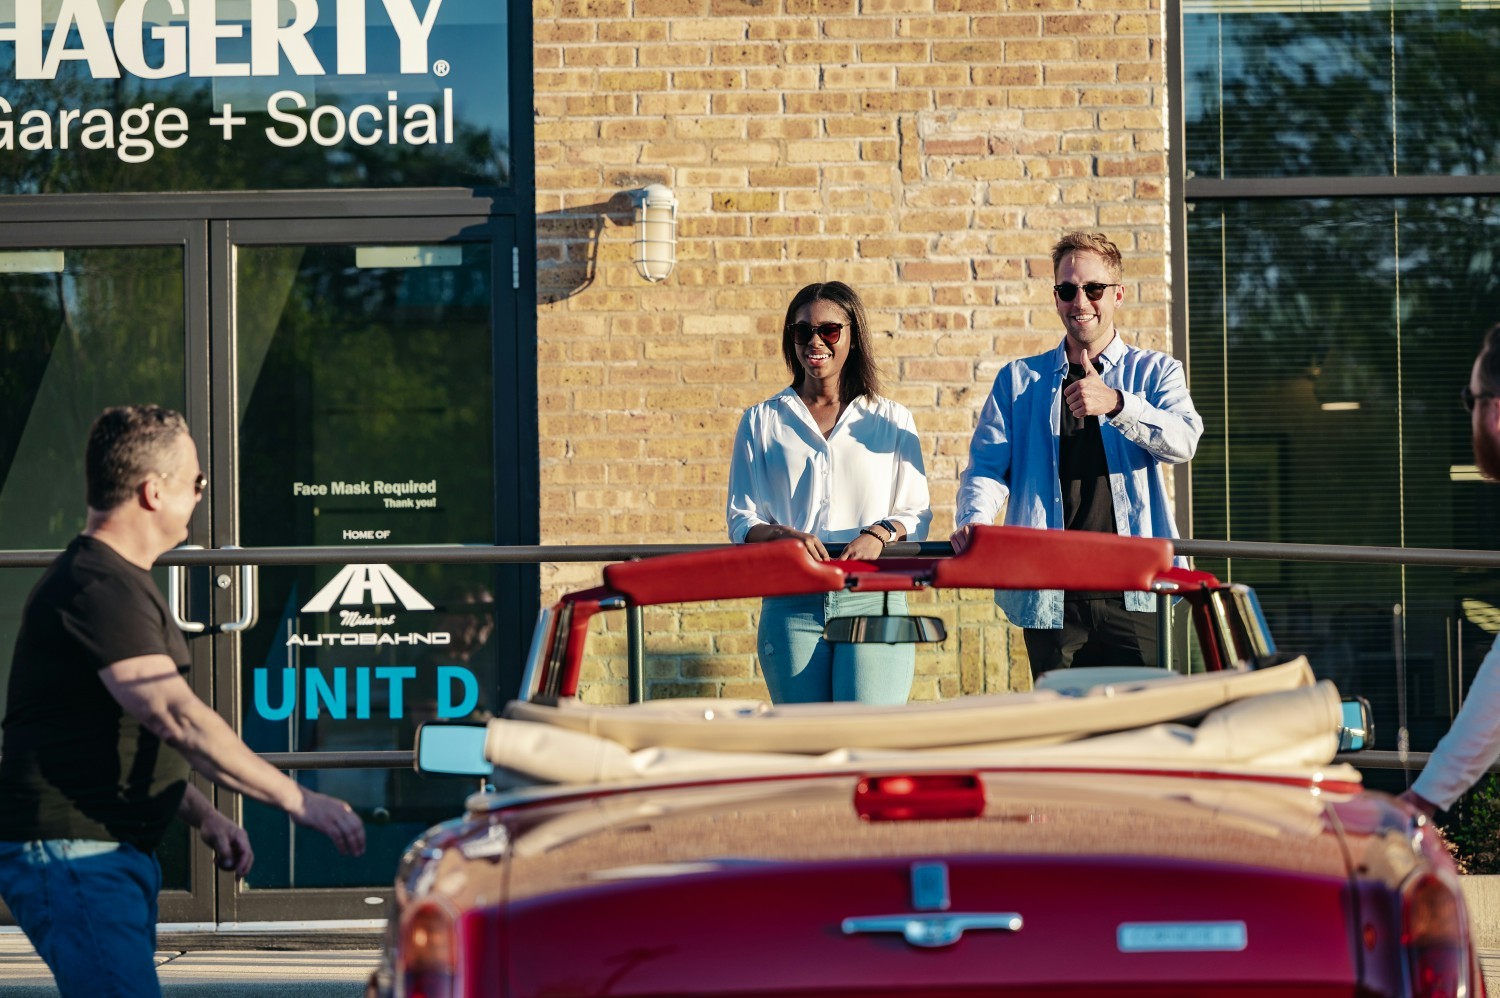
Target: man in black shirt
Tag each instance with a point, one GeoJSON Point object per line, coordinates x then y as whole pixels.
{"type": "Point", "coordinates": [101, 728]}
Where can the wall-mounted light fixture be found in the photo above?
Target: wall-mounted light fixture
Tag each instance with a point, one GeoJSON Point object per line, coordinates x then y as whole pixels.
{"type": "Point", "coordinates": [655, 247]}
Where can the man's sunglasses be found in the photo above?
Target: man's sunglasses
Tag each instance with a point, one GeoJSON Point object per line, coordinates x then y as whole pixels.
{"type": "Point", "coordinates": [1067, 291]}
{"type": "Point", "coordinates": [830, 332]}
{"type": "Point", "coordinates": [1469, 397]}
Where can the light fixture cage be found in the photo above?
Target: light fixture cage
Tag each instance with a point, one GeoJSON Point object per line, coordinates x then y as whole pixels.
{"type": "Point", "coordinates": [655, 248]}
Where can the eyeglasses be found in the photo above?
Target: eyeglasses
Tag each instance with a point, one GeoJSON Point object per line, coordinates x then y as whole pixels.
{"type": "Point", "coordinates": [802, 332]}
{"type": "Point", "coordinates": [200, 484]}
{"type": "Point", "coordinates": [1067, 291]}
{"type": "Point", "coordinates": [1470, 397]}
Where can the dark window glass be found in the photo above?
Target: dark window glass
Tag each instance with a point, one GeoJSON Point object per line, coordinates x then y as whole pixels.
{"type": "Point", "coordinates": [409, 101]}
{"type": "Point", "coordinates": [1407, 89]}
{"type": "Point", "coordinates": [1287, 94]}
{"type": "Point", "coordinates": [1329, 342]}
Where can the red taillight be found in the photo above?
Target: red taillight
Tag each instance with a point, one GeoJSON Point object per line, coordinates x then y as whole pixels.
{"type": "Point", "coordinates": [1432, 935]}
{"type": "Point", "coordinates": [429, 953]}
{"type": "Point", "coordinates": [922, 796]}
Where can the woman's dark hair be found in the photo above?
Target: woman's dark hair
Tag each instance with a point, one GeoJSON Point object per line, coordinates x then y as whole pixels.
{"type": "Point", "coordinates": [858, 379]}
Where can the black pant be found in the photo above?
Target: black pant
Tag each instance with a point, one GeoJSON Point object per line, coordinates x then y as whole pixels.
{"type": "Point", "coordinates": [1094, 632]}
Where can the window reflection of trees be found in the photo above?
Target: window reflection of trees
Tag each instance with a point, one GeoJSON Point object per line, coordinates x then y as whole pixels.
{"type": "Point", "coordinates": [1284, 94]}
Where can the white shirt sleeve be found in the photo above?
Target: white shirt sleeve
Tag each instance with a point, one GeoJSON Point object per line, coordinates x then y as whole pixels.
{"type": "Point", "coordinates": [742, 511]}
{"type": "Point", "coordinates": [1162, 420]}
{"type": "Point", "coordinates": [1472, 745]}
{"type": "Point", "coordinates": [910, 503]}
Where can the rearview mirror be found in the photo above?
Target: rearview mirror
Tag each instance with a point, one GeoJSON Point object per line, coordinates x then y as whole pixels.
{"type": "Point", "coordinates": [1357, 730]}
{"type": "Point", "coordinates": [885, 630]}
{"type": "Point", "coordinates": [452, 750]}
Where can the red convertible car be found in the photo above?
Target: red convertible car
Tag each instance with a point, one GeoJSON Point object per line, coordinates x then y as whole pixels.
{"type": "Point", "coordinates": [1130, 830]}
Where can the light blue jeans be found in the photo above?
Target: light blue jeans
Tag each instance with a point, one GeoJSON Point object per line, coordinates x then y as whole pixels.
{"type": "Point", "coordinates": [801, 667]}
{"type": "Point", "coordinates": [89, 908]}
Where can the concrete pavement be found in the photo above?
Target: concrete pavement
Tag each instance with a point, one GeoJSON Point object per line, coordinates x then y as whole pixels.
{"type": "Point", "coordinates": [212, 972]}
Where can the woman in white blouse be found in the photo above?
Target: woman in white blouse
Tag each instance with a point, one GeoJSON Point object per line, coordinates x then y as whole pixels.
{"type": "Point", "coordinates": [829, 461]}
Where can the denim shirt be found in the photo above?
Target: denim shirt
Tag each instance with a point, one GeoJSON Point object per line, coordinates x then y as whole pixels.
{"type": "Point", "coordinates": [1013, 463]}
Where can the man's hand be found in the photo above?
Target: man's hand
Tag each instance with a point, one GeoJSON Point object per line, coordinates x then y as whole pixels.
{"type": "Point", "coordinates": [334, 818]}
{"type": "Point", "coordinates": [1090, 396]}
{"type": "Point", "coordinates": [229, 842]}
{"type": "Point", "coordinates": [960, 538]}
{"type": "Point", "coordinates": [1418, 803]}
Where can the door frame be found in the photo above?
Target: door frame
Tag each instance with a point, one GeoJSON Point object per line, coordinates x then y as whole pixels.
{"type": "Point", "coordinates": [515, 518]}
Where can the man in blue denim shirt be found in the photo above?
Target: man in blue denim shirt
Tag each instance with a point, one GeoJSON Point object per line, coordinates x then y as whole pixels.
{"type": "Point", "coordinates": [1075, 439]}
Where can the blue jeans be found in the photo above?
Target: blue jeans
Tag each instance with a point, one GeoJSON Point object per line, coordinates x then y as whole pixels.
{"type": "Point", "coordinates": [89, 908]}
{"type": "Point", "coordinates": [801, 667]}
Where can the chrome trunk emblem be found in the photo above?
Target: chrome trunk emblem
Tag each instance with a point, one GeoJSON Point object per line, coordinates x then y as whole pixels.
{"type": "Point", "coordinates": [929, 893]}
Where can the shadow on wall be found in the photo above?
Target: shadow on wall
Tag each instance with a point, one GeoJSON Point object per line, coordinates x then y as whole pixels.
{"type": "Point", "coordinates": [567, 243]}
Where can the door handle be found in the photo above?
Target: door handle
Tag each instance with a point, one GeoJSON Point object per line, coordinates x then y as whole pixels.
{"type": "Point", "coordinates": [249, 590]}
{"type": "Point", "coordinates": [177, 593]}
{"type": "Point", "coordinates": [933, 930]}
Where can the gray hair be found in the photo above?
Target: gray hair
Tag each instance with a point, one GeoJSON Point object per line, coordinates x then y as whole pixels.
{"type": "Point", "coordinates": [128, 444]}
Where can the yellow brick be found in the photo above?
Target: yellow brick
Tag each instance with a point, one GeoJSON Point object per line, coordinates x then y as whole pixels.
{"type": "Point", "coordinates": [1007, 76]}
{"type": "Point", "coordinates": [548, 33]}
{"type": "Point", "coordinates": [820, 103]}
{"type": "Point", "coordinates": [748, 54]}
{"type": "Point", "coordinates": [781, 30]}
{"type": "Point", "coordinates": [603, 10]}
{"type": "Point", "coordinates": [896, 101]}
{"type": "Point", "coordinates": [933, 221]}
{"type": "Point", "coordinates": [909, 51]}
{"type": "Point", "coordinates": [670, 8]}
{"type": "Point", "coordinates": [563, 80]}
{"type": "Point", "coordinates": [745, 8]}
{"type": "Point", "coordinates": [869, 7]}
{"type": "Point", "coordinates": [821, 7]}
{"type": "Point", "coordinates": [783, 78]}
{"type": "Point", "coordinates": [673, 55]}
{"type": "Point", "coordinates": [709, 128]}
{"type": "Point", "coordinates": [857, 28]}
{"type": "Point", "coordinates": [819, 52]}
{"type": "Point", "coordinates": [633, 81]}
{"type": "Point", "coordinates": [598, 55]}
{"type": "Point", "coordinates": [633, 31]}
{"type": "Point", "coordinates": [708, 79]}
{"type": "Point", "coordinates": [822, 152]}
{"type": "Point", "coordinates": [932, 76]}
{"type": "Point", "coordinates": [746, 104]}
{"type": "Point", "coordinates": [1114, 49]}
{"type": "Point", "coordinates": [859, 77]}
{"type": "Point", "coordinates": [1007, 26]}
{"type": "Point", "coordinates": [708, 29]}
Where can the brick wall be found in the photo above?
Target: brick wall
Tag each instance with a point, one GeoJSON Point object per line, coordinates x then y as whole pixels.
{"type": "Point", "coordinates": [927, 152]}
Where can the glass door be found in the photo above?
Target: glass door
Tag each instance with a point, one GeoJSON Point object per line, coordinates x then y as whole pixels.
{"type": "Point", "coordinates": [373, 399]}
{"type": "Point", "coordinates": [94, 315]}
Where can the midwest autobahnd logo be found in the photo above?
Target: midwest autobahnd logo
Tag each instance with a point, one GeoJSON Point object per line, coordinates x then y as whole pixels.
{"type": "Point", "coordinates": [358, 585]}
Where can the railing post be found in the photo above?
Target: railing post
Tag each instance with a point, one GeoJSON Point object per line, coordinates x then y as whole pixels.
{"type": "Point", "coordinates": [1164, 631]}
{"type": "Point", "coordinates": [635, 652]}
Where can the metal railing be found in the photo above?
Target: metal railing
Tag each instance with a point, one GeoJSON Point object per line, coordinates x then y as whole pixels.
{"type": "Point", "coordinates": [479, 554]}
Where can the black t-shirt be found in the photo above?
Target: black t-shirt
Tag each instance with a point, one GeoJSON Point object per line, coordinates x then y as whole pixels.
{"type": "Point", "coordinates": [1083, 473]}
{"type": "Point", "coordinates": [74, 763]}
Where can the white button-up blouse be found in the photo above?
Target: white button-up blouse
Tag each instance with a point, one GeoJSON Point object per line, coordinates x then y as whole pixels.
{"type": "Point", "coordinates": [868, 469]}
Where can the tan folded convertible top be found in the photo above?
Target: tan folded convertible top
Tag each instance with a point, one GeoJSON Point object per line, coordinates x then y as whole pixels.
{"type": "Point", "coordinates": [1038, 717]}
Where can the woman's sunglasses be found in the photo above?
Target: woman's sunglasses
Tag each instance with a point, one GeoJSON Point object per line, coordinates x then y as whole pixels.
{"type": "Point", "coordinates": [830, 332]}
{"type": "Point", "coordinates": [1067, 291]}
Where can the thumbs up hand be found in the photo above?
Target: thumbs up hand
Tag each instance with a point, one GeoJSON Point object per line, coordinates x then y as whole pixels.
{"type": "Point", "coordinates": [1090, 396]}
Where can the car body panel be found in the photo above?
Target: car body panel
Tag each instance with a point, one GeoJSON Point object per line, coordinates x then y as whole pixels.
{"type": "Point", "coordinates": [1132, 835]}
